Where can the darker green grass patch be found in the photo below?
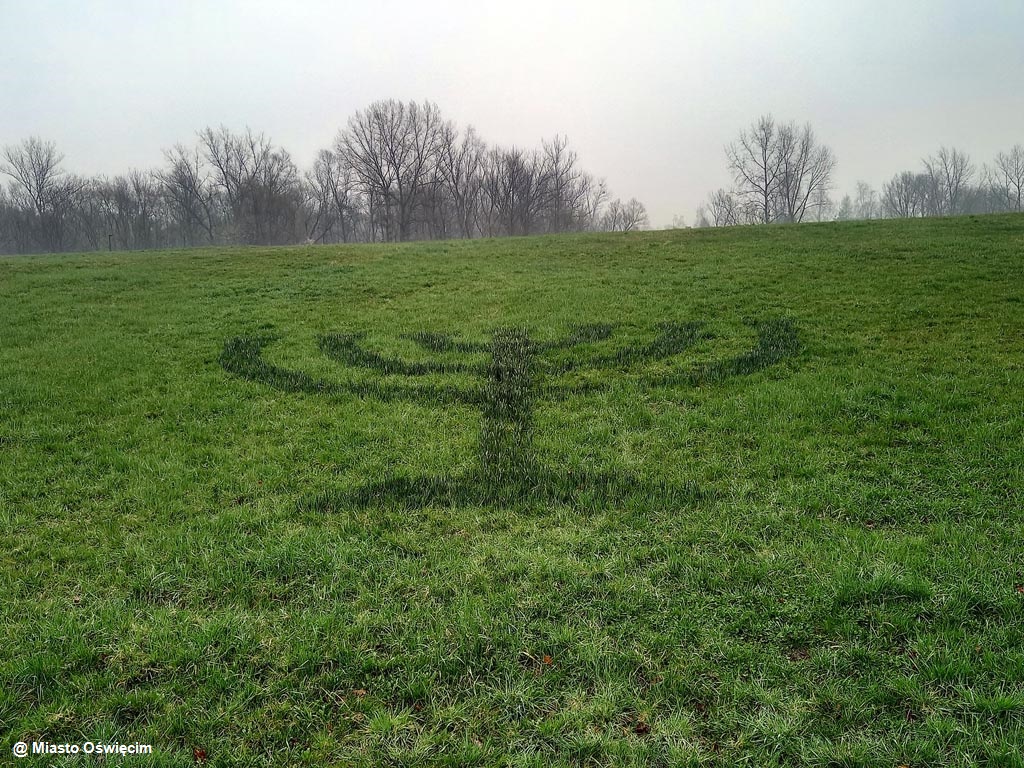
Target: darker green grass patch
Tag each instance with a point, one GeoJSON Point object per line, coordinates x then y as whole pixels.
{"type": "Point", "coordinates": [517, 490]}
{"type": "Point", "coordinates": [508, 470]}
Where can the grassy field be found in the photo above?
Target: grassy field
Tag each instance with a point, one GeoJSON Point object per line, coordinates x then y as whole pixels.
{"type": "Point", "coordinates": [720, 497]}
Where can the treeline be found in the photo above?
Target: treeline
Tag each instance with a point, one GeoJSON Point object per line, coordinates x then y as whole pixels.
{"type": "Point", "coordinates": [782, 174]}
{"type": "Point", "coordinates": [947, 184]}
{"type": "Point", "coordinates": [397, 171]}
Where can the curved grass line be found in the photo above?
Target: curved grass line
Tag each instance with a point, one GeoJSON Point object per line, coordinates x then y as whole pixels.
{"type": "Point", "coordinates": [442, 342]}
{"type": "Point", "coordinates": [581, 334]}
{"type": "Point", "coordinates": [776, 340]}
{"type": "Point", "coordinates": [243, 357]}
{"type": "Point", "coordinates": [673, 339]}
{"type": "Point", "coordinates": [344, 348]}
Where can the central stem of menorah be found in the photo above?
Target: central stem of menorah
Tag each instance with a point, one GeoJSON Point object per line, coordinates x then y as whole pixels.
{"type": "Point", "coordinates": [506, 441]}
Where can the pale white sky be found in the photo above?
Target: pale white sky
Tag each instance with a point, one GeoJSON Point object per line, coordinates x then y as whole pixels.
{"type": "Point", "coordinates": [647, 92]}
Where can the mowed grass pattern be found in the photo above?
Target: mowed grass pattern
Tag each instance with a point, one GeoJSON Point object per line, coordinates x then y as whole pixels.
{"type": "Point", "coordinates": [508, 470]}
{"type": "Point", "coordinates": [841, 581]}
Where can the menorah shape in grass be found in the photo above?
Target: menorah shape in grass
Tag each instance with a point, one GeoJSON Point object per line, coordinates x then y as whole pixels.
{"type": "Point", "coordinates": [517, 372]}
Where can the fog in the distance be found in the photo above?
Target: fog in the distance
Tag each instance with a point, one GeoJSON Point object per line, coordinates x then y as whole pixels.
{"type": "Point", "coordinates": [648, 94]}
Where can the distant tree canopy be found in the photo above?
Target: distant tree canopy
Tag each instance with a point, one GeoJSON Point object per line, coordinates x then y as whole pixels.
{"type": "Point", "coordinates": [781, 174]}
{"type": "Point", "coordinates": [396, 171]}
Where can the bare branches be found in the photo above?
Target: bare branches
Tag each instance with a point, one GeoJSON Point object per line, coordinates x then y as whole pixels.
{"type": "Point", "coordinates": [42, 186]}
{"type": "Point", "coordinates": [394, 150]}
{"type": "Point", "coordinates": [755, 162]}
{"type": "Point", "coordinates": [460, 166]}
{"type": "Point", "coordinates": [866, 204]}
{"type": "Point", "coordinates": [806, 171]}
{"type": "Point", "coordinates": [1009, 178]}
{"type": "Point", "coordinates": [782, 174]}
{"type": "Point", "coordinates": [189, 192]}
{"type": "Point", "coordinates": [260, 184]}
{"type": "Point", "coordinates": [625, 217]}
{"type": "Point", "coordinates": [780, 171]}
{"type": "Point", "coordinates": [34, 165]}
{"type": "Point", "coordinates": [397, 171]}
{"type": "Point", "coordinates": [725, 209]}
{"type": "Point", "coordinates": [905, 196]}
{"type": "Point", "coordinates": [949, 175]}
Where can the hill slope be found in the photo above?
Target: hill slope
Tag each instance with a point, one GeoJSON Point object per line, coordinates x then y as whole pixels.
{"type": "Point", "coordinates": [666, 498]}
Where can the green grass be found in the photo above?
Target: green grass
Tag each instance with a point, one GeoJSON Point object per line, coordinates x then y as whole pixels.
{"type": "Point", "coordinates": [745, 496]}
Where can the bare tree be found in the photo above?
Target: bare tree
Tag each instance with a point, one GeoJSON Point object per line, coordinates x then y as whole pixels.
{"type": "Point", "coordinates": [461, 166]}
{"type": "Point", "coordinates": [259, 182]}
{"type": "Point", "coordinates": [34, 166]}
{"type": "Point", "coordinates": [318, 205]}
{"type": "Point", "coordinates": [626, 217]}
{"type": "Point", "coordinates": [190, 195]}
{"type": "Point", "coordinates": [866, 204]}
{"type": "Point", "coordinates": [517, 186]}
{"type": "Point", "coordinates": [126, 209]}
{"type": "Point", "coordinates": [805, 171]}
{"type": "Point", "coordinates": [40, 185]}
{"type": "Point", "coordinates": [949, 174]}
{"type": "Point", "coordinates": [634, 216]}
{"type": "Point", "coordinates": [845, 210]}
{"type": "Point", "coordinates": [1009, 178]}
{"type": "Point", "coordinates": [362, 148]}
{"type": "Point", "coordinates": [822, 205]}
{"type": "Point", "coordinates": [779, 170]}
{"type": "Point", "coordinates": [9, 215]}
{"type": "Point", "coordinates": [334, 208]}
{"type": "Point", "coordinates": [393, 149]}
{"type": "Point", "coordinates": [567, 188]}
{"type": "Point", "coordinates": [905, 196]}
{"type": "Point", "coordinates": [725, 209]}
{"type": "Point", "coordinates": [756, 166]}
{"type": "Point", "coordinates": [595, 195]}
{"type": "Point", "coordinates": [612, 219]}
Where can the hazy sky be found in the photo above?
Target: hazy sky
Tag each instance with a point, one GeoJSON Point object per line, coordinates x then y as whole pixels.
{"type": "Point", "coordinates": [648, 93]}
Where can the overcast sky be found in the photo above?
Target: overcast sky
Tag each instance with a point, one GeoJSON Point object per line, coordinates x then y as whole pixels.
{"type": "Point", "coordinates": [648, 93]}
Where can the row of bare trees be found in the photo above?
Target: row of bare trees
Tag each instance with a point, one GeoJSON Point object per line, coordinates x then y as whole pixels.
{"type": "Point", "coordinates": [402, 172]}
{"type": "Point", "coordinates": [397, 171]}
{"type": "Point", "coordinates": [782, 174]}
{"type": "Point", "coordinates": [949, 184]}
